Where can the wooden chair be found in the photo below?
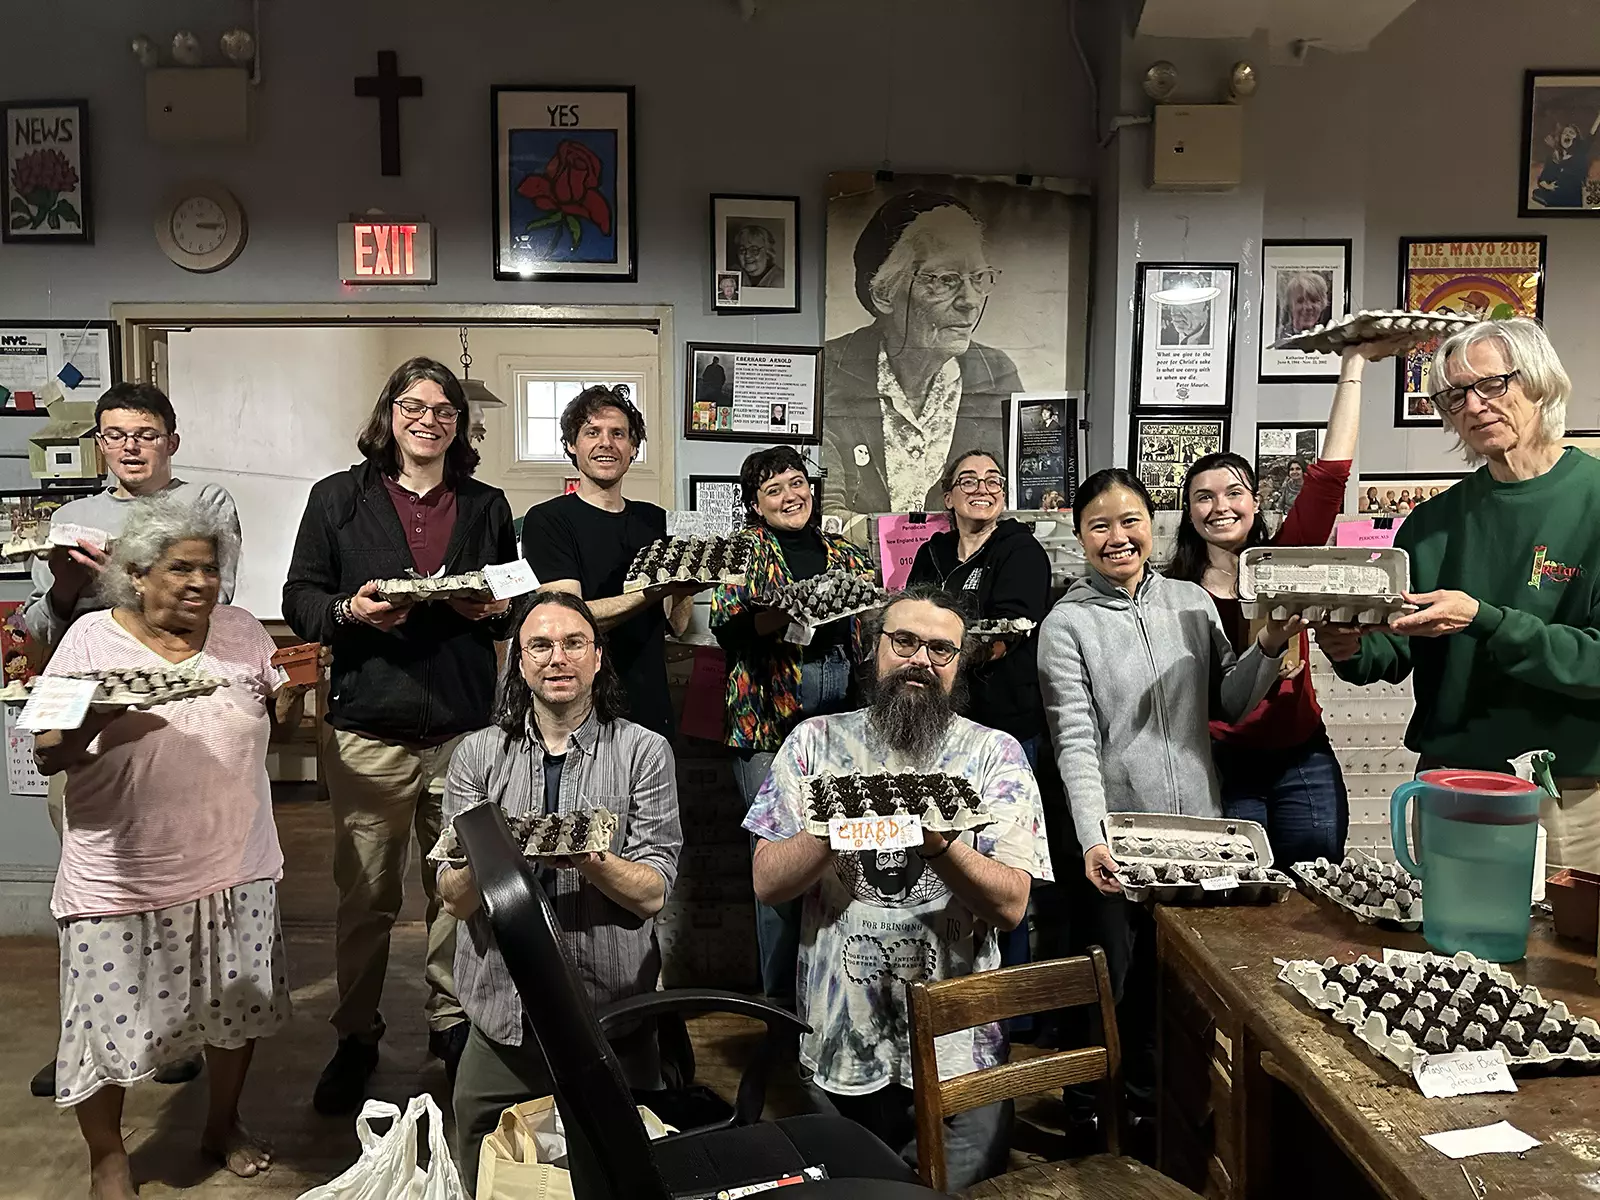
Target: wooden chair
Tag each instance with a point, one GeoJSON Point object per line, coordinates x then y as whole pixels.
{"type": "Point", "coordinates": [972, 1000]}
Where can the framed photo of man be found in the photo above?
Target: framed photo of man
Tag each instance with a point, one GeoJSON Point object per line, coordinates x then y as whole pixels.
{"type": "Point", "coordinates": [1163, 446]}
{"type": "Point", "coordinates": [1560, 139]}
{"type": "Point", "coordinates": [1304, 283]}
{"type": "Point", "coordinates": [755, 254]}
{"type": "Point", "coordinates": [739, 393]}
{"type": "Point", "coordinates": [1183, 335]}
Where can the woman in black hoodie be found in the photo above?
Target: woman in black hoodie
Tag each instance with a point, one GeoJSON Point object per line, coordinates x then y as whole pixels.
{"type": "Point", "coordinates": [1000, 570]}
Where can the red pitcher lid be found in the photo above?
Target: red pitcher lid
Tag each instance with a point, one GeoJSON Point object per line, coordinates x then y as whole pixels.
{"type": "Point", "coordinates": [1458, 780]}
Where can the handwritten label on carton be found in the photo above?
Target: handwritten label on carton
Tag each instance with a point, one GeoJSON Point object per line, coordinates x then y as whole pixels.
{"type": "Point", "coordinates": [506, 580]}
{"type": "Point", "coordinates": [1464, 1073]}
{"type": "Point", "coordinates": [57, 702]}
{"type": "Point", "coordinates": [1219, 883]}
{"type": "Point", "coordinates": [874, 833]}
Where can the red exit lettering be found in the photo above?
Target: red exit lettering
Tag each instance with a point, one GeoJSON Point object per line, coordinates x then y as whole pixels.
{"type": "Point", "coordinates": [385, 249]}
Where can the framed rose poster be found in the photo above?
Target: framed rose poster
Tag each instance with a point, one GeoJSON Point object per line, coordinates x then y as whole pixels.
{"type": "Point", "coordinates": [44, 180]}
{"type": "Point", "coordinates": [1485, 278]}
{"type": "Point", "coordinates": [563, 183]}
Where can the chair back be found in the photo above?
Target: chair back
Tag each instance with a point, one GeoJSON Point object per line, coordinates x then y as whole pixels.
{"type": "Point", "coordinates": [949, 1005]}
{"type": "Point", "coordinates": [609, 1149]}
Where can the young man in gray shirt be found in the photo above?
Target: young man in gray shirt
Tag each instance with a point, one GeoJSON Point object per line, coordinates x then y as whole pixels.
{"type": "Point", "coordinates": [138, 434]}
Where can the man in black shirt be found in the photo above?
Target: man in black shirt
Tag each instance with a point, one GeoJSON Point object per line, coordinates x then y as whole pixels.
{"type": "Point", "coordinates": [583, 543]}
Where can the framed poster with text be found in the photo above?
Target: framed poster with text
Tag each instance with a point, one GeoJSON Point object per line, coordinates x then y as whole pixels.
{"type": "Point", "coordinates": [753, 393]}
{"type": "Point", "coordinates": [1303, 284]}
{"type": "Point", "coordinates": [1183, 335]}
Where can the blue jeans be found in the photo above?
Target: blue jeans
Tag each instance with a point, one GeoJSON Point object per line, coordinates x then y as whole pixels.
{"type": "Point", "coordinates": [1298, 793]}
{"type": "Point", "coordinates": [977, 1143]}
{"type": "Point", "coordinates": [823, 686]}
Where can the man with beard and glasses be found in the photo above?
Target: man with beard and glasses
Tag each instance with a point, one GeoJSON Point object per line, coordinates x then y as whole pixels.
{"type": "Point", "coordinates": [873, 922]}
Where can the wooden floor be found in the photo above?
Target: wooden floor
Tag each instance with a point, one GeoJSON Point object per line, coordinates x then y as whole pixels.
{"type": "Point", "coordinates": [43, 1157]}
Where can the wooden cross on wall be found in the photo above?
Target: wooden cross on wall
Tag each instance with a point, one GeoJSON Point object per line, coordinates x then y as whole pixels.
{"type": "Point", "coordinates": [387, 87]}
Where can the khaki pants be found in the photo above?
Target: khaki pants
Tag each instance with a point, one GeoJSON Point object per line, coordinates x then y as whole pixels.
{"type": "Point", "coordinates": [1572, 825]}
{"type": "Point", "coordinates": [379, 791]}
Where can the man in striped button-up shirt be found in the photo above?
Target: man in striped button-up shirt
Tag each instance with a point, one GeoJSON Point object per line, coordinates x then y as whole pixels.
{"type": "Point", "coordinates": [559, 744]}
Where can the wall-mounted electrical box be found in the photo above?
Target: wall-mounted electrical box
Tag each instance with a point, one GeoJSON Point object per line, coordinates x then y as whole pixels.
{"type": "Point", "coordinates": [1197, 147]}
{"type": "Point", "coordinates": [189, 105]}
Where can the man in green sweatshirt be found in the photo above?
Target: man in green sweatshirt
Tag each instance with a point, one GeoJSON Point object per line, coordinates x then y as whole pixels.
{"type": "Point", "coordinates": [1505, 567]}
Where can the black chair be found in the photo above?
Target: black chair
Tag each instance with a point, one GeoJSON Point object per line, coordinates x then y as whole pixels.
{"type": "Point", "coordinates": [609, 1154]}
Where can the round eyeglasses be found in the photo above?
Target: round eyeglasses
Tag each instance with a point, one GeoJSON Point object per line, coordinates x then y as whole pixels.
{"type": "Point", "coordinates": [115, 437]}
{"type": "Point", "coordinates": [906, 645]}
{"type": "Point", "coordinates": [942, 285]}
{"type": "Point", "coordinates": [445, 414]}
{"type": "Point", "coordinates": [971, 484]}
{"type": "Point", "coordinates": [540, 650]}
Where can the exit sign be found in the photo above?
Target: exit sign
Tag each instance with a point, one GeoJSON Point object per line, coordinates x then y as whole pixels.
{"type": "Point", "coordinates": [372, 253]}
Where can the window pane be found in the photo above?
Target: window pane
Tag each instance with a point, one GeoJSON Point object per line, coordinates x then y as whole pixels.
{"type": "Point", "coordinates": [566, 389]}
{"type": "Point", "coordinates": [541, 396]}
{"type": "Point", "coordinates": [543, 438]}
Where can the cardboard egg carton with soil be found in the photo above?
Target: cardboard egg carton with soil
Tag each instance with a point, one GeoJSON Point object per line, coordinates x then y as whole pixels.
{"type": "Point", "coordinates": [711, 560]}
{"type": "Point", "coordinates": [943, 803]}
{"type": "Point", "coordinates": [133, 687]}
{"type": "Point", "coordinates": [1173, 859]}
{"type": "Point", "coordinates": [470, 585]}
{"type": "Point", "coordinates": [1375, 893]}
{"type": "Point", "coordinates": [1375, 325]}
{"type": "Point", "coordinates": [546, 835]}
{"type": "Point", "coordinates": [815, 602]}
{"type": "Point", "coordinates": [1001, 627]}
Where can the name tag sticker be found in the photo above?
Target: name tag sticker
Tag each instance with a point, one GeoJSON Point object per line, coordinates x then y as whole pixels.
{"type": "Point", "coordinates": [874, 833]}
{"type": "Point", "coordinates": [515, 578]}
{"type": "Point", "coordinates": [1219, 883]}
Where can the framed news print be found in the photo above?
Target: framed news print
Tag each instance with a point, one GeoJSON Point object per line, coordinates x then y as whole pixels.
{"type": "Point", "coordinates": [753, 393]}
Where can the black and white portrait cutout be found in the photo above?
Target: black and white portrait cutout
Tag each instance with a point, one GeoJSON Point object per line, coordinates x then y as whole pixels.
{"type": "Point", "coordinates": [945, 295]}
{"type": "Point", "coordinates": [756, 249]}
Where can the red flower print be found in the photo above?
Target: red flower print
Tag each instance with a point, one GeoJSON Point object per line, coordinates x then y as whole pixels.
{"type": "Point", "coordinates": [40, 181]}
{"type": "Point", "coordinates": [569, 190]}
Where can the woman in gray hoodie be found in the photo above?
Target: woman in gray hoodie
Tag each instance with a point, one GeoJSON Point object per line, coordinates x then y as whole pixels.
{"type": "Point", "coordinates": [1132, 667]}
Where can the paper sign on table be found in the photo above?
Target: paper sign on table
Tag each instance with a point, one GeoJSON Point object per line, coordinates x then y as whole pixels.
{"type": "Point", "coordinates": [1464, 1073]}
{"type": "Point", "coordinates": [1499, 1138]}
{"type": "Point", "coordinates": [874, 833]}
{"type": "Point", "coordinates": [1219, 883]}
{"type": "Point", "coordinates": [900, 536]}
{"type": "Point", "coordinates": [505, 580]}
{"type": "Point", "coordinates": [57, 702]}
{"type": "Point", "coordinates": [1367, 533]}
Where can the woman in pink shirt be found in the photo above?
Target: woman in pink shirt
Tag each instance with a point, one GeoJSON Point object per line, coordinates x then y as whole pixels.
{"type": "Point", "coordinates": [166, 895]}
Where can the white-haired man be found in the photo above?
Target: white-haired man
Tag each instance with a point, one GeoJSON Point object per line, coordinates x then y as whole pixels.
{"type": "Point", "coordinates": [873, 922]}
{"type": "Point", "coordinates": [1505, 648]}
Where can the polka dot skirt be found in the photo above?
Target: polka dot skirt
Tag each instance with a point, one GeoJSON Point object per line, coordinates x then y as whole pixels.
{"type": "Point", "coordinates": [146, 989]}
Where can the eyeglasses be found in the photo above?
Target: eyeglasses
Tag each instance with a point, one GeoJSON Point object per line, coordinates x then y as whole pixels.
{"type": "Point", "coordinates": [539, 650]}
{"type": "Point", "coordinates": [906, 645]}
{"type": "Point", "coordinates": [115, 437]}
{"type": "Point", "coordinates": [1490, 387]}
{"type": "Point", "coordinates": [941, 285]}
{"type": "Point", "coordinates": [988, 483]}
{"type": "Point", "coordinates": [445, 414]}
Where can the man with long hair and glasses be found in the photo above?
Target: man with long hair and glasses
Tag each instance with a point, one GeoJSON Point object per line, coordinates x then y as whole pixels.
{"type": "Point", "coordinates": [138, 434]}
{"type": "Point", "coordinates": [1505, 645]}
{"type": "Point", "coordinates": [559, 744]}
{"type": "Point", "coordinates": [874, 921]}
{"type": "Point", "coordinates": [408, 681]}
{"type": "Point", "coordinates": [907, 389]}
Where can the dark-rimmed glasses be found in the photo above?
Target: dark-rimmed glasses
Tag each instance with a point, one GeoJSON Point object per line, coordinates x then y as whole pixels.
{"type": "Point", "coordinates": [972, 484]}
{"type": "Point", "coordinates": [905, 644]}
{"type": "Point", "coordinates": [445, 414]}
{"type": "Point", "coordinates": [538, 651]}
{"type": "Point", "coordinates": [115, 437]}
{"type": "Point", "coordinates": [1490, 387]}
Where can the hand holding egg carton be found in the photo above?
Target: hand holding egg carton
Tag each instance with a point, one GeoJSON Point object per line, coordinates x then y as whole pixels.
{"type": "Point", "coordinates": [708, 560]}
{"type": "Point", "coordinates": [471, 585]}
{"type": "Point", "coordinates": [942, 803]}
{"type": "Point", "coordinates": [1174, 859]}
{"type": "Point", "coordinates": [1343, 585]}
{"type": "Point", "coordinates": [541, 835]}
{"type": "Point", "coordinates": [812, 603]}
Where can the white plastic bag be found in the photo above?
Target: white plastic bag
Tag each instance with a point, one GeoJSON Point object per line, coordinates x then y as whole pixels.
{"type": "Point", "coordinates": [387, 1168]}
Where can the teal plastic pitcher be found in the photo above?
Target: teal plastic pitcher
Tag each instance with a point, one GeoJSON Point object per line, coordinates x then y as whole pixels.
{"type": "Point", "coordinates": [1478, 831]}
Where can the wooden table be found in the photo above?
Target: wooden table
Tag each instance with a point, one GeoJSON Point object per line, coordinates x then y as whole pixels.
{"type": "Point", "coordinates": [1237, 1046]}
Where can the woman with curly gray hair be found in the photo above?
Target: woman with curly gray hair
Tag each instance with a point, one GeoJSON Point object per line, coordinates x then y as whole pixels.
{"type": "Point", "coordinates": [166, 895]}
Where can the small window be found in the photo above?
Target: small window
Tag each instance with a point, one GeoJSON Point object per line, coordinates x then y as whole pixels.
{"type": "Point", "coordinates": [541, 398]}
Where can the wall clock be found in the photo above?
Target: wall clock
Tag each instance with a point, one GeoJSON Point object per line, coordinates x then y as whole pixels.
{"type": "Point", "coordinates": [201, 227]}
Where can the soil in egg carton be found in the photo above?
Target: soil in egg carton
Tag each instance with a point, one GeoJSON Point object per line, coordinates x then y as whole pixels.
{"type": "Point", "coordinates": [1368, 884]}
{"type": "Point", "coordinates": [692, 556]}
{"type": "Point", "coordinates": [1451, 1008]}
{"type": "Point", "coordinates": [1147, 874]}
{"type": "Point", "coordinates": [857, 796]}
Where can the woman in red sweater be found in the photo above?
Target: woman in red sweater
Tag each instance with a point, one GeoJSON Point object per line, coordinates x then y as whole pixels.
{"type": "Point", "coordinates": [1276, 765]}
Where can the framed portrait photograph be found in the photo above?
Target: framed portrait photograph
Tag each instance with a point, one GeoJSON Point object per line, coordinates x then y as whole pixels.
{"type": "Point", "coordinates": [1487, 278]}
{"type": "Point", "coordinates": [1304, 283]}
{"type": "Point", "coordinates": [1183, 335]}
{"type": "Point", "coordinates": [44, 178]}
{"type": "Point", "coordinates": [563, 183]}
{"type": "Point", "coordinates": [1284, 453]}
{"type": "Point", "coordinates": [1560, 133]}
{"type": "Point", "coordinates": [738, 393]}
{"type": "Point", "coordinates": [1395, 494]}
{"type": "Point", "coordinates": [755, 254]}
{"type": "Point", "coordinates": [1163, 446]}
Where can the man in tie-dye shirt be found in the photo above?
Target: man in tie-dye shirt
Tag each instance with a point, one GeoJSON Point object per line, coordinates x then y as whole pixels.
{"type": "Point", "coordinates": [875, 921]}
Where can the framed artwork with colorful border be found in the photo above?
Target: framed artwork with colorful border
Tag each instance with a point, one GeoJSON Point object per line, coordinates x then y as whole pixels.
{"type": "Point", "coordinates": [44, 175]}
{"type": "Point", "coordinates": [562, 159]}
{"type": "Point", "coordinates": [755, 254]}
{"type": "Point", "coordinates": [1163, 446]}
{"type": "Point", "coordinates": [1304, 282]}
{"type": "Point", "coordinates": [1489, 278]}
{"type": "Point", "coordinates": [1560, 136]}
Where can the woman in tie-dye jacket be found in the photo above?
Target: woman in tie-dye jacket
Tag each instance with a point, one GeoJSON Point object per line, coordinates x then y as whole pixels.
{"type": "Point", "coordinates": [772, 684]}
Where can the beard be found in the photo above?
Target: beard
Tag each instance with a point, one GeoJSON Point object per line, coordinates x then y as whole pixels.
{"type": "Point", "coordinates": [913, 720]}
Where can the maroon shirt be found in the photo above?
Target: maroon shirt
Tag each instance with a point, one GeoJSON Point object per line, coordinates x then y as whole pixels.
{"type": "Point", "coordinates": [428, 521]}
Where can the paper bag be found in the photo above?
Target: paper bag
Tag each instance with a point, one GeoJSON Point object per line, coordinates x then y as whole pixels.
{"type": "Point", "coordinates": [517, 1161]}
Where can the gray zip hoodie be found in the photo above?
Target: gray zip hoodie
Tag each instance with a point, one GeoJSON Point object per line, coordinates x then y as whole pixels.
{"type": "Point", "coordinates": [1129, 686]}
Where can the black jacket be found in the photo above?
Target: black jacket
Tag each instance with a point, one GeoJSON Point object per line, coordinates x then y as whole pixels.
{"type": "Point", "coordinates": [431, 677]}
{"type": "Point", "coordinates": [1009, 576]}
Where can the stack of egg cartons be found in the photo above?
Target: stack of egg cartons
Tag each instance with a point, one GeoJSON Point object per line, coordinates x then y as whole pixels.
{"type": "Point", "coordinates": [1367, 726]}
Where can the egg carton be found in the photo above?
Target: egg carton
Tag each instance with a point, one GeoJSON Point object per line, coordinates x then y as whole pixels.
{"type": "Point", "coordinates": [542, 835]}
{"type": "Point", "coordinates": [1175, 859]}
{"type": "Point", "coordinates": [815, 602]}
{"type": "Point", "coordinates": [132, 687]}
{"type": "Point", "coordinates": [1440, 1005]}
{"type": "Point", "coordinates": [943, 803]}
{"type": "Point", "coordinates": [40, 537]}
{"type": "Point", "coordinates": [722, 560]}
{"type": "Point", "coordinates": [471, 585]}
{"type": "Point", "coordinates": [1342, 584]}
{"type": "Point", "coordinates": [1375, 893]}
{"type": "Point", "coordinates": [1003, 627]}
{"type": "Point", "coordinates": [1374, 325]}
